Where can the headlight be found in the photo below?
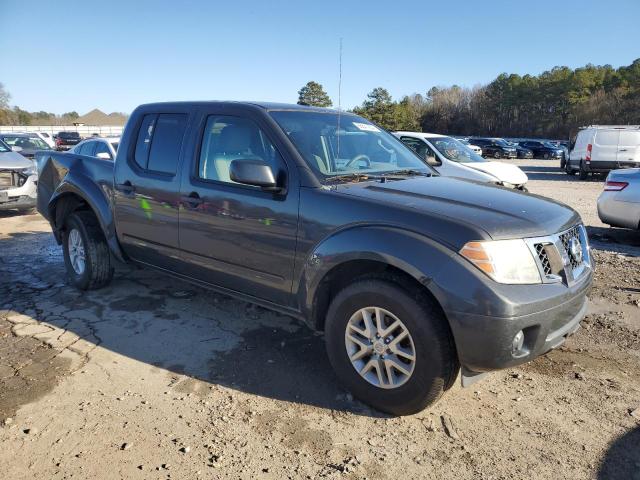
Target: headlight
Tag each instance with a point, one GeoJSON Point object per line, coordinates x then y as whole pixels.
{"type": "Point", "coordinates": [32, 170]}
{"type": "Point", "coordinates": [505, 261]}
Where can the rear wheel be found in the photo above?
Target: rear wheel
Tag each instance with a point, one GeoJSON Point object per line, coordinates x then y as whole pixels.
{"type": "Point", "coordinates": [86, 253]}
{"type": "Point", "coordinates": [391, 349]}
{"type": "Point", "coordinates": [582, 173]}
{"type": "Point", "coordinates": [496, 154]}
{"type": "Point", "coordinates": [546, 156]}
{"type": "Point", "coordinates": [563, 162]}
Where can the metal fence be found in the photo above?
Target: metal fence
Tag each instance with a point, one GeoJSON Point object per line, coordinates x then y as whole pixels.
{"type": "Point", "coordinates": [84, 131]}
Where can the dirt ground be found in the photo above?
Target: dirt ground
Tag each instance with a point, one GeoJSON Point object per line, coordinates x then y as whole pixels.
{"type": "Point", "coordinates": [154, 378]}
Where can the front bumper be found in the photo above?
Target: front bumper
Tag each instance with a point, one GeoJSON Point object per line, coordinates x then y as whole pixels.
{"type": "Point", "coordinates": [22, 197]}
{"type": "Point", "coordinates": [485, 343]}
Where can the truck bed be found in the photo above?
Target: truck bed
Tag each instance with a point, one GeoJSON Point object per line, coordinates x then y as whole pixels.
{"type": "Point", "coordinates": [60, 172]}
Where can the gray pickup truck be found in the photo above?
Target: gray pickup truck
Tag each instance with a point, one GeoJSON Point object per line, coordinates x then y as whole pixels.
{"type": "Point", "coordinates": [322, 215]}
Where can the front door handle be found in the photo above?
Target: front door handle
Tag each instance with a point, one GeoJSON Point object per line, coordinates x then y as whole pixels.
{"type": "Point", "coordinates": [126, 187]}
{"type": "Point", "coordinates": [622, 150]}
{"type": "Point", "coordinates": [192, 200]}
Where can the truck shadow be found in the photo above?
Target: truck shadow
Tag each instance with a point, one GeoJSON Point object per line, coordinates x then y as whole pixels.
{"type": "Point", "coordinates": [193, 333]}
{"type": "Point", "coordinates": [622, 459]}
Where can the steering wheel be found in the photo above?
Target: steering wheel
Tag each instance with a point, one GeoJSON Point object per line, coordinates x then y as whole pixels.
{"type": "Point", "coordinates": [357, 158]}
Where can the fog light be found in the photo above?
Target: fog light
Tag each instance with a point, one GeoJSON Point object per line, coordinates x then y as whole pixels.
{"type": "Point", "coordinates": [518, 342]}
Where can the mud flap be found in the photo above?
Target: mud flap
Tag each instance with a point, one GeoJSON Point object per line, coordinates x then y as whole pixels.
{"type": "Point", "coordinates": [469, 377]}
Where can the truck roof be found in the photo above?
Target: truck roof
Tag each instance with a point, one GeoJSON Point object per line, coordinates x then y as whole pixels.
{"type": "Point", "coordinates": [264, 105]}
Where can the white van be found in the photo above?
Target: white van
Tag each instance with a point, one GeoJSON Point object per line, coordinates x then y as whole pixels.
{"type": "Point", "coordinates": [601, 148]}
{"type": "Point", "coordinates": [451, 158]}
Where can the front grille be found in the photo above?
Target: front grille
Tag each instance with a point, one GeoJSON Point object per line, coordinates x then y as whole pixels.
{"type": "Point", "coordinates": [565, 238]}
{"type": "Point", "coordinates": [541, 251]}
{"type": "Point", "coordinates": [6, 179]}
{"type": "Point", "coordinates": [11, 179]}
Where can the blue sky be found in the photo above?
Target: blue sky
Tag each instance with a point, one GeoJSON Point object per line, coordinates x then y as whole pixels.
{"type": "Point", "coordinates": [113, 55]}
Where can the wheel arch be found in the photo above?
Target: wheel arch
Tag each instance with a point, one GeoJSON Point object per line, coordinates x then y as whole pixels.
{"type": "Point", "coordinates": [70, 197]}
{"type": "Point", "coordinates": [402, 256]}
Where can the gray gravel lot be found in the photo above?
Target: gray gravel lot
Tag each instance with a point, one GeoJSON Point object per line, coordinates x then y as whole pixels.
{"type": "Point", "coordinates": [155, 378]}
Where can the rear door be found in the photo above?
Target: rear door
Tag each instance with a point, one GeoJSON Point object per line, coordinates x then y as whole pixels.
{"type": "Point", "coordinates": [629, 147]}
{"type": "Point", "coordinates": [604, 152]}
{"type": "Point", "coordinates": [147, 184]}
{"type": "Point", "coordinates": [238, 236]}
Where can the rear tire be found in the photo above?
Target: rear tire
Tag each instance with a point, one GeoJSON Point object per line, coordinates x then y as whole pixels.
{"type": "Point", "coordinates": [546, 156]}
{"type": "Point", "coordinates": [435, 365]}
{"type": "Point", "coordinates": [497, 155]}
{"type": "Point", "coordinates": [86, 257]}
{"type": "Point", "coordinates": [582, 173]}
{"type": "Point", "coordinates": [563, 162]}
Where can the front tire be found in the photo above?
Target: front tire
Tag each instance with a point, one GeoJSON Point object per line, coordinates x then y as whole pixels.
{"type": "Point", "coordinates": [86, 253]}
{"type": "Point", "coordinates": [413, 361]}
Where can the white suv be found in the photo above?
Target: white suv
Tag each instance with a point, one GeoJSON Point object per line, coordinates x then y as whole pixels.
{"type": "Point", "coordinates": [18, 180]}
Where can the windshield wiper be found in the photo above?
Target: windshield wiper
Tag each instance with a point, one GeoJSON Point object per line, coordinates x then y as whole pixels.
{"type": "Point", "coordinates": [353, 177]}
{"type": "Point", "coordinates": [407, 172]}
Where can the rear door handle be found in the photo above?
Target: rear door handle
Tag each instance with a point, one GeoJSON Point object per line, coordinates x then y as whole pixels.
{"type": "Point", "coordinates": [622, 150]}
{"type": "Point", "coordinates": [192, 200]}
{"type": "Point", "coordinates": [126, 187]}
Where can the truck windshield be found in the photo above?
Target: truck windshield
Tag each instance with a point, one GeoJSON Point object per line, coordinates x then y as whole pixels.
{"type": "Point", "coordinates": [345, 144]}
{"type": "Point", "coordinates": [3, 147]}
{"type": "Point", "coordinates": [454, 150]}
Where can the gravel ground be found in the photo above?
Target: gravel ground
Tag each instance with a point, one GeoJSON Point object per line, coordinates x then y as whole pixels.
{"type": "Point", "coordinates": [154, 378]}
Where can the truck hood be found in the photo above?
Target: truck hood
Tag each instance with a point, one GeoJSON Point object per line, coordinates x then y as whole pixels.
{"type": "Point", "coordinates": [13, 160]}
{"type": "Point", "coordinates": [501, 212]}
{"type": "Point", "coordinates": [502, 171]}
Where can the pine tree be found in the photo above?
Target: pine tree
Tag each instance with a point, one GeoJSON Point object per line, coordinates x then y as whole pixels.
{"type": "Point", "coordinates": [313, 94]}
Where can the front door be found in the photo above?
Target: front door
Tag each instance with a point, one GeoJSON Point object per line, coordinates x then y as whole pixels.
{"type": "Point", "coordinates": [236, 236]}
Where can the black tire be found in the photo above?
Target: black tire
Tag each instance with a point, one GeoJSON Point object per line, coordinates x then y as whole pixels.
{"type": "Point", "coordinates": [98, 270]}
{"type": "Point", "coordinates": [27, 211]}
{"type": "Point", "coordinates": [582, 173]}
{"type": "Point", "coordinates": [497, 154]}
{"type": "Point", "coordinates": [563, 162]}
{"type": "Point", "coordinates": [436, 365]}
{"type": "Point", "coordinates": [567, 168]}
{"type": "Point", "coordinates": [546, 156]}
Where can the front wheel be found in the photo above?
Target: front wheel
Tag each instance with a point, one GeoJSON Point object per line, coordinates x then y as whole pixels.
{"type": "Point", "coordinates": [86, 253]}
{"type": "Point", "coordinates": [391, 349]}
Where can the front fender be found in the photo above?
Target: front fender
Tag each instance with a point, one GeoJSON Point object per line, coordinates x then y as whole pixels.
{"type": "Point", "coordinates": [406, 250]}
{"type": "Point", "coordinates": [97, 199]}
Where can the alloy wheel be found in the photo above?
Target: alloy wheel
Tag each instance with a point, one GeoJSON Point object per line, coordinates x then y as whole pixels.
{"type": "Point", "coordinates": [380, 347]}
{"type": "Point", "coordinates": [76, 251]}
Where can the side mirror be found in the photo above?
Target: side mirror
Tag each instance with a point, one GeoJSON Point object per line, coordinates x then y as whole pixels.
{"type": "Point", "coordinates": [16, 149]}
{"type": "Point", "coordinates": [253, 172]}
{"type": "Point", "coordinates": [433, 161]}
{"type": "Point", "coordinates": [103, 155]}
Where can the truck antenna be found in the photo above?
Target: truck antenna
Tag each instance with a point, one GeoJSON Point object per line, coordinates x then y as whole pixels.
{"type": "Point", "coordinates": [339, 98]}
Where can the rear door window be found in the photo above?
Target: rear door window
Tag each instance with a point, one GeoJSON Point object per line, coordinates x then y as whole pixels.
{"type": "Point", "coordinates": [167, 142]}
{"type": "Point", "coordinates": [143, 144]}
{"type": "Point", "coordinates": [160, 141]}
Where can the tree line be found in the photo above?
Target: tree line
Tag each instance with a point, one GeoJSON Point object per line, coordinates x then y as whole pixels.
{"type": "Point", "coordinates": [17, 116]}
{"type": "Point", "coordinates": [553, 104]}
